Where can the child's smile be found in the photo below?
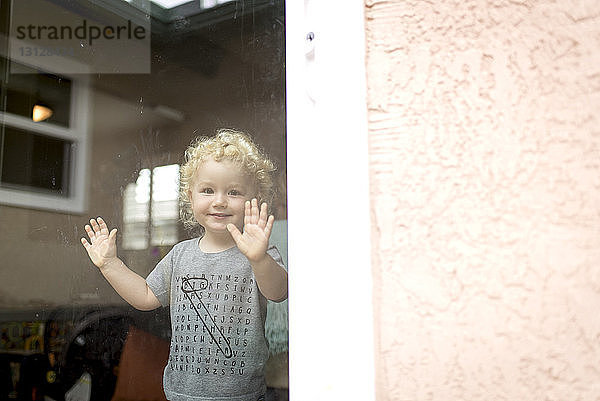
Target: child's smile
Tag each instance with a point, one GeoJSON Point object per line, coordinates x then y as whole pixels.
{"type": "Point", "coordinates": [219, 215]}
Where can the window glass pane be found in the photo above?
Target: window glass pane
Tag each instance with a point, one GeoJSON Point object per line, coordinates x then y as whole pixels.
{"type": "Point", "coordinates": [35, 162]}
{"type": "Point", "coordinates": [165, 205]}
{"type": "Point", "coordinates": [136, 199]}
{"type": "Point", "coordinates": [165, 183]}
{"type": "Point", "coordinates": [162, 209]}
{"type": "Point", "coordinates": [26, 87]}
{"type": "Point", "coordinates": [142, 102]}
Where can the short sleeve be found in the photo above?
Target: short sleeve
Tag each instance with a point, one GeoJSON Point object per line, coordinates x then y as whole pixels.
{"type": "Point", "coordinates": [159, 279]}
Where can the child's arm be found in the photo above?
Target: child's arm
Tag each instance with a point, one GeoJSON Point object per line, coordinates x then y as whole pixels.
{"type": "Point", "coordinates": [253, 243]}
{"type": "Point", "coordinates": [102, 250]}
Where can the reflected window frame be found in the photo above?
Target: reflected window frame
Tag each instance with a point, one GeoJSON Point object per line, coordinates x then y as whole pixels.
{"type": "Point", "coordinates": [77, 133]}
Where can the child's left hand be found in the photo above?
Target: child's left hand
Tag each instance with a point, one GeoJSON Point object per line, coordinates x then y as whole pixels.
{"type": "Point", "coordinates": [254, 241]}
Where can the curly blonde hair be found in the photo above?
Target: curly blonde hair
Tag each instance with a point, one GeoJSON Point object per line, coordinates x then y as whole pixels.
{"type": "Point", "coordinates": [227, 144]}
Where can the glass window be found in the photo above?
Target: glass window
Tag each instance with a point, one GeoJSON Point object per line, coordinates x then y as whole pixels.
{"type": "Point", "coordinates": [122, 89]}
{"type": "Point", "coordinates": [165, 205]}
{"type": "Point", "coordinates": [35, 162]}
{"type": "Point", "coordinates": [26, 87]}
{"type": "Point", "coordinates": [152, 219]}
{"type": "Point", "coordinates": [44, 135]}
{"type": "Point", "coordinates": [136, 200]}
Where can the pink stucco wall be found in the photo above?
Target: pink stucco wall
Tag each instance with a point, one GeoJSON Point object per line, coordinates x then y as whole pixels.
{"type": "Point", "coordinates": [484, 127]}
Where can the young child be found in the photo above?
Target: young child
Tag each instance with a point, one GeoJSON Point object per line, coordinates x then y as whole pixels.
{"type": "Point", "coordinates": [216, 285]}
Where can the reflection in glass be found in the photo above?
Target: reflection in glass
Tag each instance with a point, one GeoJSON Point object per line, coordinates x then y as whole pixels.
{"type": "Point", "coordinates": [34, 162]}
{"type": "Point", "coordinates": [165, 205]}
{"type": "Point", "coordinates": [152, 219]}
{"type": "Point", "coordinates": [136, 199]}
{"type": "Point", "coordinates": [26, 87]}
{"type": "Point", "coordinates": [214, 64]}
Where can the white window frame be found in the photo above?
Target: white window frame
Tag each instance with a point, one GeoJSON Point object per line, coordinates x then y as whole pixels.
{"type": "Point", "coordinates": [75, 201]}
{"type": "Point", "coordinates": [330, 283]}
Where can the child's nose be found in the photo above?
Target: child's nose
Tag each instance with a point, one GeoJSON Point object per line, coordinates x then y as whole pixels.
{"type": "Point", "coordinates": [220, 200]}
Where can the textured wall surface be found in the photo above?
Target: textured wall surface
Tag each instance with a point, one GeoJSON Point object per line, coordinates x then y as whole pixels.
{"type": "Point", "coordinates": [485, 173]}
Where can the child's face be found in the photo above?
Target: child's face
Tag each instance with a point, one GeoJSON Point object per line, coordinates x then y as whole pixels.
{"type": "Point", "coordinates": [218, 193]}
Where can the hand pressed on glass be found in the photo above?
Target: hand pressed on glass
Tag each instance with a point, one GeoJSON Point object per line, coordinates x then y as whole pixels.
{"type": "Point", "coordinates": [102, 245]}
{"type": "Point", "coordinates": [102, 250]}
{"type": "Point", "coordinates": [254, 240]}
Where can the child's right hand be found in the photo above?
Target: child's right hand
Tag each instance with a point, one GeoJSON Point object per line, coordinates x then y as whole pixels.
{"type": "Point", "coordinates": [102, 248]}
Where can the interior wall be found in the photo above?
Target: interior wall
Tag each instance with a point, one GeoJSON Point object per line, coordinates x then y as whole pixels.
{"type": "Point", "coordinates": [485, 190]}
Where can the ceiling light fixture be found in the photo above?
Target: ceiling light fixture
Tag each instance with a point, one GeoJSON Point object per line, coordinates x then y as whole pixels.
{"type": "Point", "coordinates": [41, 113]}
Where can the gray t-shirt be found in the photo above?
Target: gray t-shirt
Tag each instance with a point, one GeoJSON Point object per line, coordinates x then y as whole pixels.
{"type": "Point", "coordinates": [218, 347]}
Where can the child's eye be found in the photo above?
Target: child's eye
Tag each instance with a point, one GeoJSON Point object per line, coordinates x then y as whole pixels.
{"type": "Point", "coordinates": [206, 191]}
{"type": "Point", "coordinates": [234, 192]}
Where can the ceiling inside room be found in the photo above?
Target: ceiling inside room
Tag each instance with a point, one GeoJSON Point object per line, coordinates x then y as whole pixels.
{"type": "Point", "coordinates": [201, 59]}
